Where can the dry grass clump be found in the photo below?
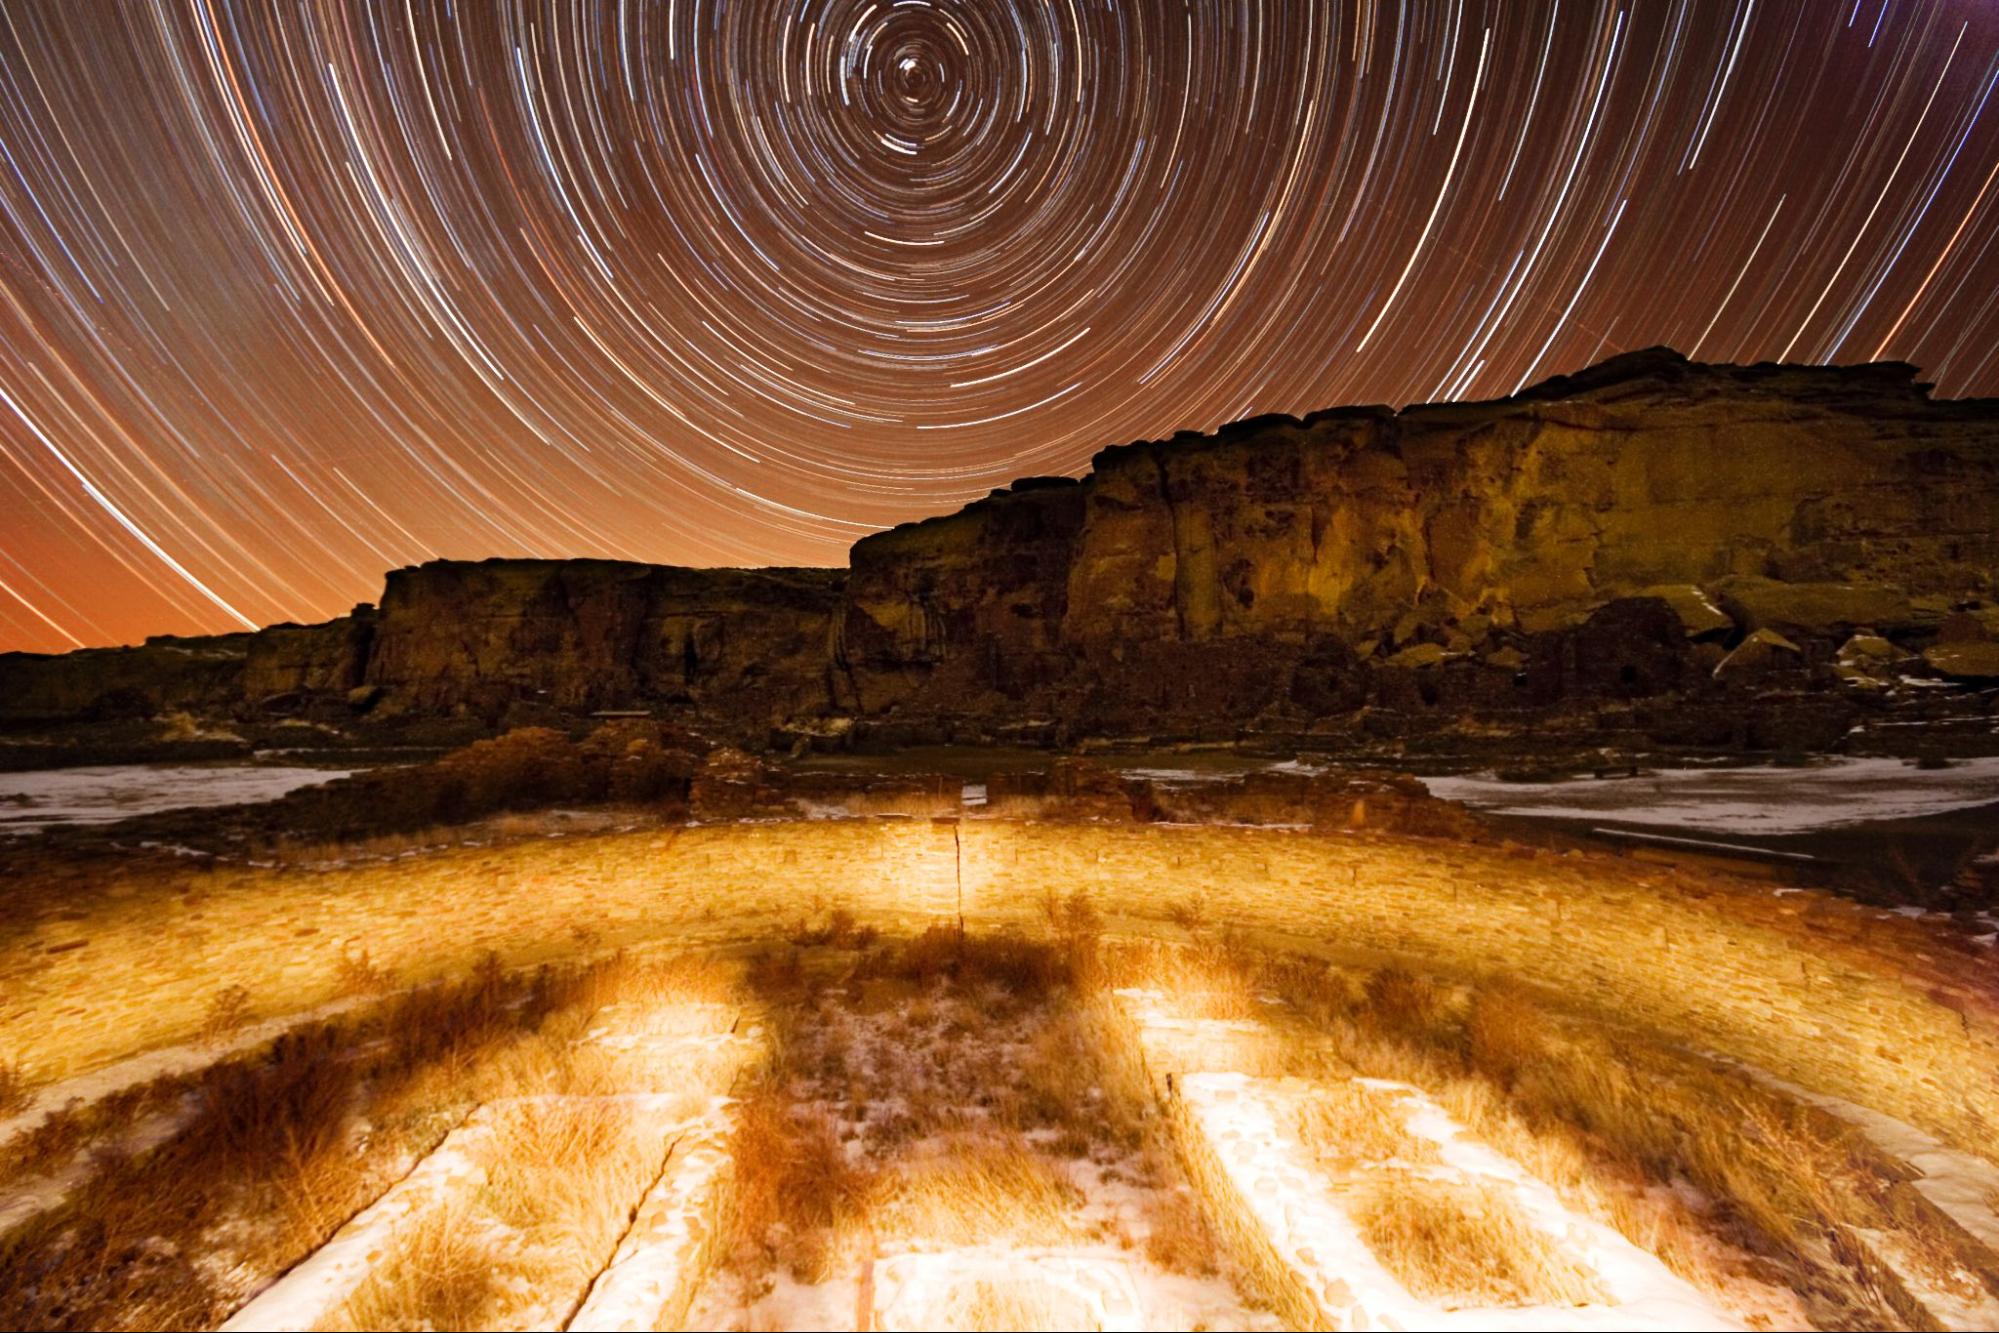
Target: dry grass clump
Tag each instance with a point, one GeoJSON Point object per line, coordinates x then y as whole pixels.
{"type": "Point", "coordinates": [1347, 1126]}
{"type": "Point", "coordinates": [1401, 1004]}
{"type": "Point", "coordinates": [1790, 1175]}
{"type": "Point", "coordinates": [1505, 1032]}
{"type": "Point", "coordinates": [1657, 1219]}
{"type": "Point", "coordinates": [128, 1249]}
{"type": "Point", "coordinates": [440, 1274]}
{"type": "Point", "coordinates": [1178, 1236]}
{"type": "Point", "coordinates": [54, 1139]}
{"type": "Point", "coordinates": [664, 986]}
{"type": "Point", "coordinates": [797, 1192]}
{"type": "Point", "coordinates": [1206, 978]}
{"type": "Point", "coordinates": [1077, 926]}
{"type": "Point", "coordinates": [936, 798]}
{"type": "Point", "coordinates": [1028, 1303]}
{"type": "Point", "coordinates": [1462, 1244]}
{"type": "Point", "coordinates": [969, 1189]}
{"type": "Point", "coordinates": [1013, 967]}
{"type": "Point", "coordinates": [560, 1181]}
{"type": "Point", "coordinates": [836, 927]}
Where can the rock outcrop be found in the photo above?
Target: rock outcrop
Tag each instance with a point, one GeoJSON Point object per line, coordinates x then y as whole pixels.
{"type": "Point", "coordinates": [1597, 542]}
{"type": "Point", "coordinates": [584, 635]}
{"type": "Point", "coordinates": [164, 673]}
{"type": "Point", "coordinates": [1257, 573]}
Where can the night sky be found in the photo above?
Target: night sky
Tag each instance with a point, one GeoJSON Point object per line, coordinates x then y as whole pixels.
{"type": "Point", "coordinates": [295, 292]}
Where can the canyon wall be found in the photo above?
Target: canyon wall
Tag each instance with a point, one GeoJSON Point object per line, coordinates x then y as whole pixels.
{"type": "Point", "coordinates": [583, 635]}
{"type": "Point", "coordinates": [1647, 529]}
{"type": "Point", "coordinates": [1504, 554]}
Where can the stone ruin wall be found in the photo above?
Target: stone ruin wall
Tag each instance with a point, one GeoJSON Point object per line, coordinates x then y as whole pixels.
{"type": "Point", "coordinates": [1842, 999]}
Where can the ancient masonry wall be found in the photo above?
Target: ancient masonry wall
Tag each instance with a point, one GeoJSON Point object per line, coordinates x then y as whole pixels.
{"type": "Point", "coordinates": [1874, 1008]}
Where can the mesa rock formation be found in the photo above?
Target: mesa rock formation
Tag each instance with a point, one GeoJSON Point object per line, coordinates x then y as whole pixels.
{"type": "Point", "coordinates": [1726, 557]}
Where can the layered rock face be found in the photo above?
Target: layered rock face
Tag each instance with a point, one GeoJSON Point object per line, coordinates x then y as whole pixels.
{"type": "Point", "coordinates": [164, 673]}
{"type": "Point", "coordinates": [495, 642]}
{"type": "Point", "coordinates": [583, 635]}
{"type": "Point", "coordinates": [1647, 530]}
{"type": "Point", "coordinates": [1300, 568]}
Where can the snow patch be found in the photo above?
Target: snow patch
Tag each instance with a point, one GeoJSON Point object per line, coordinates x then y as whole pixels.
{"type": "Point", "coordinates": [1772, 802]}
{"type": "Point", "coordinates": [31, 802]}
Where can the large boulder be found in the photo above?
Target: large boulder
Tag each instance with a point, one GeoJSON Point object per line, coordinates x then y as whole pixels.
{"type": "Point", "coordinates": [1867, 662]}
{"type": "Point", "coordinates": [1818, 610]}
{"type": "Point", "coordinates": [1698, 614]}
{"type": "Point", "coordinates": [1631, 648]}
{"type": "Point", "coordinates": [1965, 661]}
{"type": "Point", "coordinates": [1763, 654]}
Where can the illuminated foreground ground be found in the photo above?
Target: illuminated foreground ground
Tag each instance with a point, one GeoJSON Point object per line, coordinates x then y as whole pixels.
{"type": "Point", "coordinates": [982, 1073]}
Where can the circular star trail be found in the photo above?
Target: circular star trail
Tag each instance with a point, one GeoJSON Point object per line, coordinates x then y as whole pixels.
{"type": "Point", "coordinates": [294, 292]}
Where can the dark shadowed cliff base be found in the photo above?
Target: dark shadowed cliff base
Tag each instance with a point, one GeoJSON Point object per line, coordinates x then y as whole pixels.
{"type": "Point", "coordinates": [1651, 554]}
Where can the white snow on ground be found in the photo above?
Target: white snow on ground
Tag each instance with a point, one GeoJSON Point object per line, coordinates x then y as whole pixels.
{"type": "Point", "coordinates": [1087, 1287]}
{"type": "Point", "coordinates": [306, 1295]}
{"type": "Point", "coordinates": [1839, 793]}
{"type": "Point", "coordinates": [1248, 1123]}
{"type": "Point", "coordinates": [1181, 777]}
{"type": "Point", "coordinates": [30, 802]}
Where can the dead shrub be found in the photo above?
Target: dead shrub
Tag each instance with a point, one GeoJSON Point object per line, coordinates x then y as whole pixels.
{"type": "Point", "coordinates": [227, 1012]}
{"type": "Point", "coordinates": [356, 973]}
{"type": "Point", "coordinates": [1078, 926]}
{"type": "Point", "coordinates": [1189, 913]}
{"type": "Point", "coordinates": [449, 1023]}
{"type": "Point", "coordinates": [1399, 1003]}
{"type": "Point", "coordinates": [838, 930]}
{"type": "Point", "coordinates": [292, 1101]}
{"type": "Point", "coordinates": [1505, 1032]}
{"type": "Point", "coordinates": [795, 1187]}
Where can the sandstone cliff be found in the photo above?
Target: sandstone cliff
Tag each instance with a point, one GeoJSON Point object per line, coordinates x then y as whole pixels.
{"type": "Point", "coordinates": [581, 635]}
{"type": "Point", "coordinates": [1722, 556]}
{"type": "Point", "coordinates": [1262, 568]}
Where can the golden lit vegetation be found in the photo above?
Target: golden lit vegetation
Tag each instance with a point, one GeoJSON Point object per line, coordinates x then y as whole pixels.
{"type": "Point", "coordinates": [262, 1155]}
{"type": "Point", "coordinates": [1730, 1182]}
{"type": "Point", "coordinates": [946, 1090]}
{"type": "Point", "coordinates": [1466, 1244]}
{"type": "Point", "coordinates": [938, 1087]}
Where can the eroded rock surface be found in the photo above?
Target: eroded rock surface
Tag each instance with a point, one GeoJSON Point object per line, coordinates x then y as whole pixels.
{"type": "Point", "coordinates": [1594, 554]}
